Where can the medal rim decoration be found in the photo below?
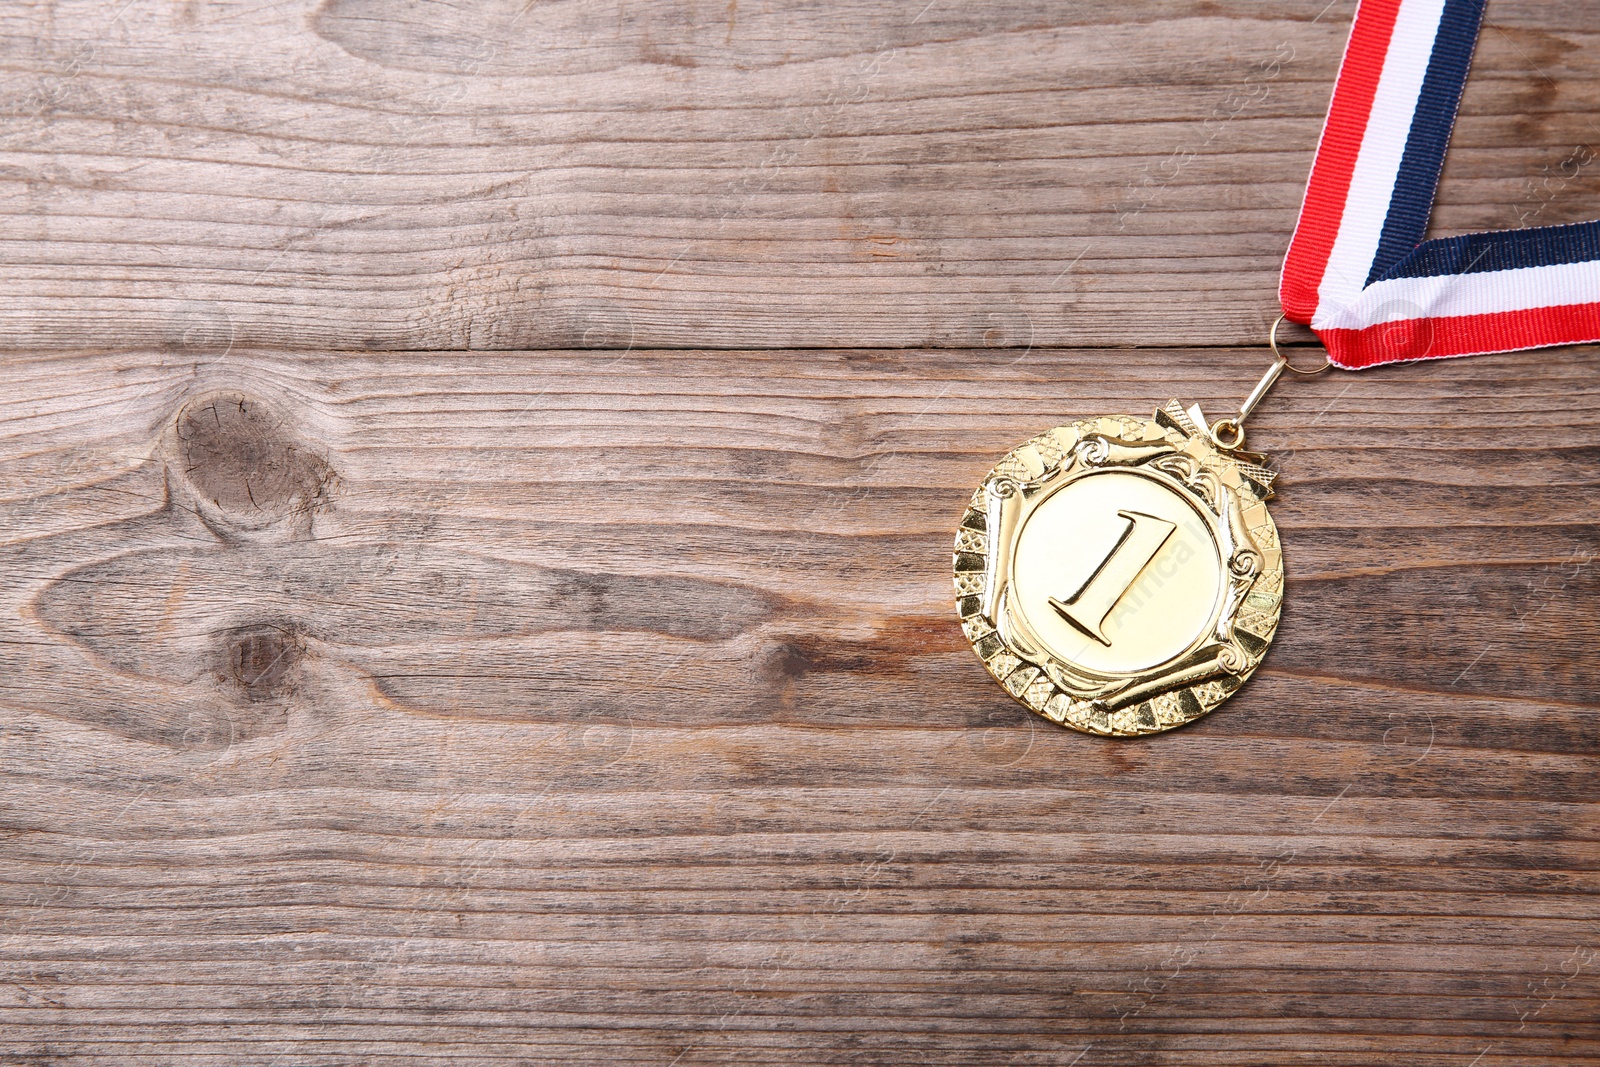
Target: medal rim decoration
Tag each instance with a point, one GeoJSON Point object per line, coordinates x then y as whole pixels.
{"type": "Point", "coordinates": [1361, 273]}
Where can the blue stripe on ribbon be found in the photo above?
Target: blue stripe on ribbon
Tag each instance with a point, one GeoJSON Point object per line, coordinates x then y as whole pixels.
{"type": "Point", "coordinates": [1474, 253]}
{"type": "Point", "coordinates": [1411, 202]}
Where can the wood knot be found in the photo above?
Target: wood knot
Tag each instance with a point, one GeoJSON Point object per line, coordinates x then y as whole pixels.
{"type": "Point", "coordinates": [259, 659]}
{"type": "Point", "coordinates": [247, 470]}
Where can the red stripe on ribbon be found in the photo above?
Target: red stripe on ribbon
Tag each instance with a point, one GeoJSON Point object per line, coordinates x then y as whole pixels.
{"type": "Point", "coordinates": [1462, 335]}
{"type": "Point", "coordinates": [1335, 162]}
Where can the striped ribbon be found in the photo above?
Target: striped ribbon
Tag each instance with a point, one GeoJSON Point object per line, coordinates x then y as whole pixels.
{"type": "Point", "coordinates": [1359, 271]}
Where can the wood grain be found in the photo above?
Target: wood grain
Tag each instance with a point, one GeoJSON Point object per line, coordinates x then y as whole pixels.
{"type": "Point", "coordinates": [575, 707]}
{"type": "Point", "coordinates": [476, 494]}
{"type": "Point", "coordinates": [506, 174]}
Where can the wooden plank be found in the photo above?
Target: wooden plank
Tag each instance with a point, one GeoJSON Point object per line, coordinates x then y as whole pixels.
{"type": "Point", "coordinates": [503, 174]}
{"type": "Point", "coordinates": [565, 707]}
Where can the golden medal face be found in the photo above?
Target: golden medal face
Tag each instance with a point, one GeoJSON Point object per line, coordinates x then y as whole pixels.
{"type": "Point", "coordinates": [1121, 575]}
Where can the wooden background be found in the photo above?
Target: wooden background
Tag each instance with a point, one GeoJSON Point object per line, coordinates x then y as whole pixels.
{"type": "Point", "coordinates": [476, 487]}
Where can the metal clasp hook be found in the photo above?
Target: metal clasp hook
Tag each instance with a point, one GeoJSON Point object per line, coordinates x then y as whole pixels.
{"type": "Point", "coordinates": [1234, 427]}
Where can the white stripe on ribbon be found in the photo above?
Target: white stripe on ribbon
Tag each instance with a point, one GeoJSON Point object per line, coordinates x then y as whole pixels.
{"type": "Point", "coordinates": [1481, 293]}
{"type": "Point", "coordinates": [1383, 145]}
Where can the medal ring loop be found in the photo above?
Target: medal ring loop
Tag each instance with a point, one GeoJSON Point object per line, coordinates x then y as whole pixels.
{"type": "Point", "coordinates": [1228, 433]}
{"type": "Point", "coordinates": [1311, 372]}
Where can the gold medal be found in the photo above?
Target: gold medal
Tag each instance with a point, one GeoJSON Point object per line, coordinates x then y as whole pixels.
{"type": "Point", "coordinates": [1121, 575]}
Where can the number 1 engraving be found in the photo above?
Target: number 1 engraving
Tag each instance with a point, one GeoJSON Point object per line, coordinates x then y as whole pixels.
{"type": "Point", "coordinates": [1089, 607]}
